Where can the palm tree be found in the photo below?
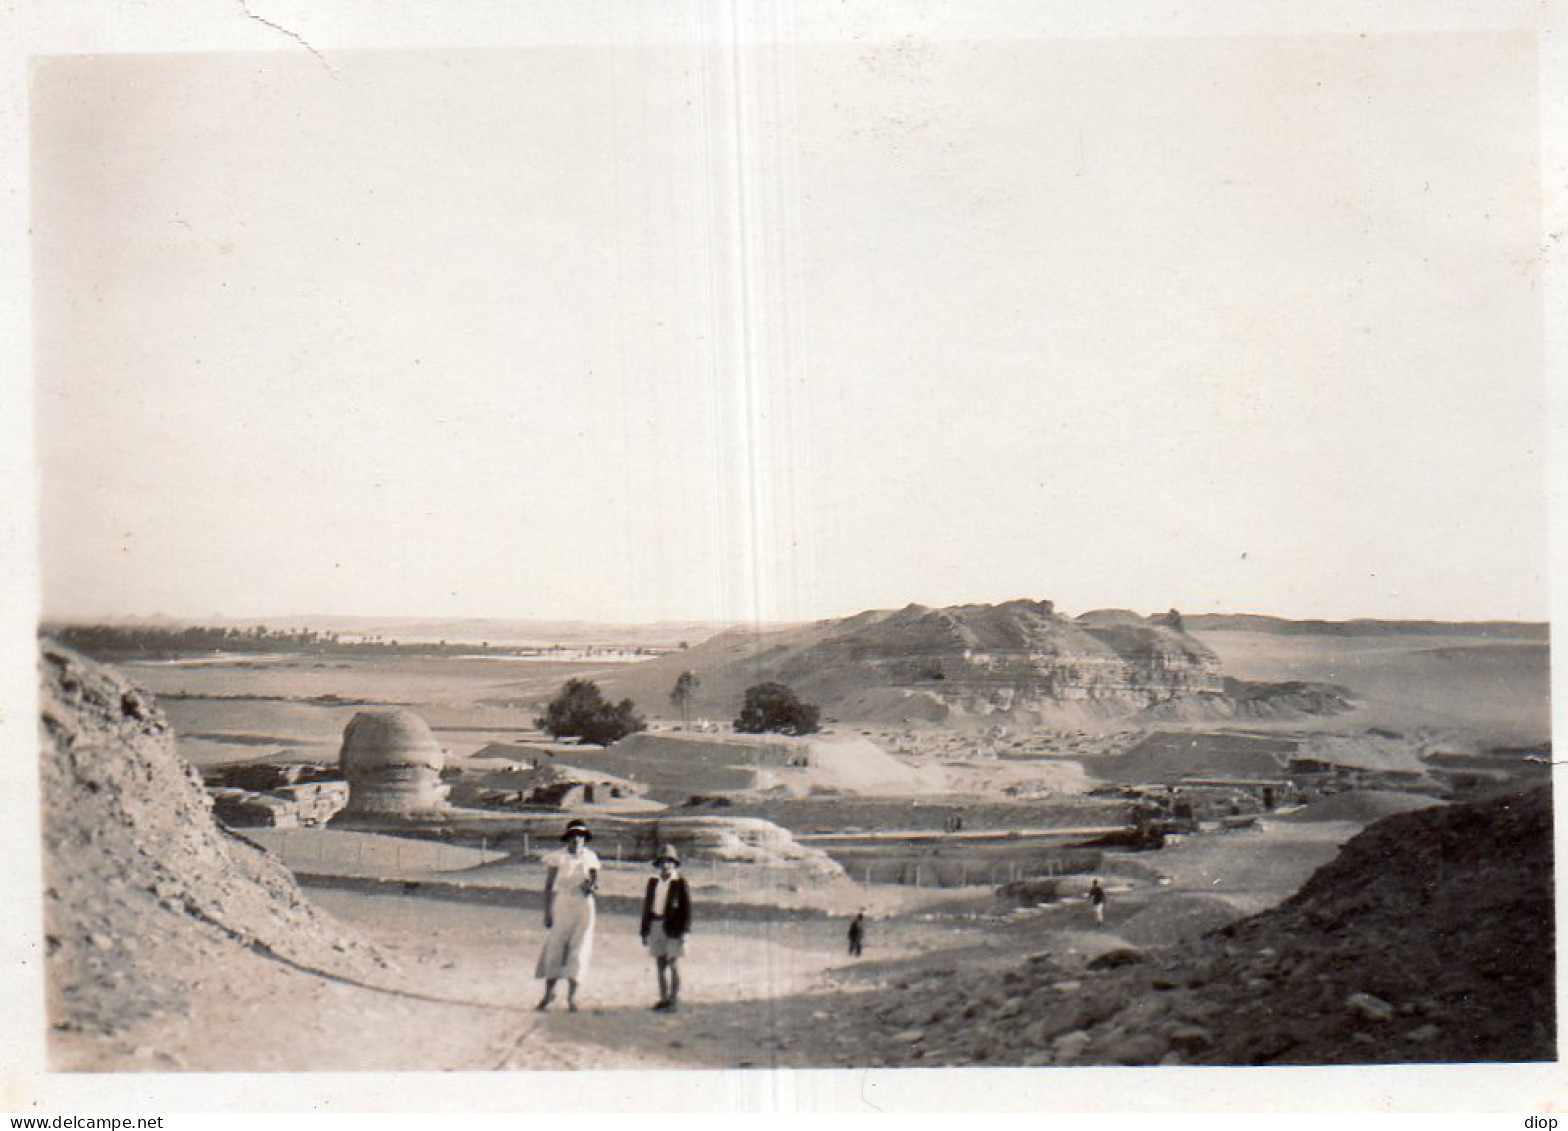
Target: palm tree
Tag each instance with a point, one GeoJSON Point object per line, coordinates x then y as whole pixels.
{"type": "Point", "coordinates": [685, 689]}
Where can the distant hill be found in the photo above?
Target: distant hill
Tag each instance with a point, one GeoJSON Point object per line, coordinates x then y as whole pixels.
{"type": "Point", "coordinates": [1017, 660]}
{"type": "Point", "coordinates": [1250, 622]}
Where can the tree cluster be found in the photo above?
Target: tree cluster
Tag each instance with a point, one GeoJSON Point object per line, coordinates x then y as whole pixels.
{"type": "Point", "coordinates": [581, 711]}
{"type": "Point", "coordinates": [774, 707]}
{"type": "Point", "coordinates": [97, 639]}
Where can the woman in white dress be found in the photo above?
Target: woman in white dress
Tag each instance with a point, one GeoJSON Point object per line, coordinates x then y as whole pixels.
{"type": "Point", "coordinates": [570, 880]}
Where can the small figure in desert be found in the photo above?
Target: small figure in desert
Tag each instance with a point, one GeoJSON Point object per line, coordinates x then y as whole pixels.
{"type": "Point", "coordinates": [666, 918]}
{"type": "Point", "coordinates": [857, 934]}
{"type": "Point", "coordinates": [570, 881]}
{"type": "Point", "coordinates": [1097, 902]}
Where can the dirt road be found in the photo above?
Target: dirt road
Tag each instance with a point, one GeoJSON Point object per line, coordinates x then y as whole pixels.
{"type": "Point", "coordinates": [462, 997]}
{"type": "Point", "coordinates": [757, 992]}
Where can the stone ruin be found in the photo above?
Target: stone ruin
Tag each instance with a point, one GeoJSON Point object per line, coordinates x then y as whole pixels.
{"type": "Point", "coordinates": [282, 795]}
{"type": "Point", "coordinates": [393, 766]}
{"type": "Point", "coordinates": [287, 807]}
{"type": "Point", "coordinates": [745, 840]}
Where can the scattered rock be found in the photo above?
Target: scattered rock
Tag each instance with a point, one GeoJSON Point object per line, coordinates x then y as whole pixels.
{"type": "Point", "coordinates": [1070, 1046]}
{"type": "Point", "coordinates": [1139, 1048]}
{"type": "Point", "coordinates": [1269, 1046]}
{"type": "Point", "coordinates": [1190, 1038]}
{"type": "Point", "coordinates": [1112, 959]}
{"type": "Point", "coordinates": [1369, 1006]}
{"type": "Point", "coordinates": [135, 704]}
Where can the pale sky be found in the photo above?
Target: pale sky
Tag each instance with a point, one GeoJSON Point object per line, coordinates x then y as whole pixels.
{"type": "Point", "coordinates": [640, 333]}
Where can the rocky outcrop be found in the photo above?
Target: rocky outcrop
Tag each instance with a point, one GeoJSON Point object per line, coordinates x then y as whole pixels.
{"type": "Point", "coordinates": [989, 659]}
{"type": "Point", "coordinates": [984, 659]}
{"type": "Point", "coordinates": [1020, 660]}
{"type": "Point", "coordinates": [143, 891]}
{"type": "Point", "coordinates": [1252, 701]}
{"type": "Point", "coordinates": [1430, 938]}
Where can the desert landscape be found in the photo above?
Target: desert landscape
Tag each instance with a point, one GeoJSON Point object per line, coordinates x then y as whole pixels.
{"type": "Point", "coordinates": [1037, 516]}
{"type": "Point", "coordinates": [1319, 843]}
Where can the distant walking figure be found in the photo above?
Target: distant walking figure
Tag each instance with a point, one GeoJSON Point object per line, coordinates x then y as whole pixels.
{"type": "Point", "coordinates": [857, 934]}
{"type": "Point", "coordinates": [569, 884]}
{"type": "Point", "coordinates": [666, 917]}
{"type": "Point", "coordinates": [1097, 902]}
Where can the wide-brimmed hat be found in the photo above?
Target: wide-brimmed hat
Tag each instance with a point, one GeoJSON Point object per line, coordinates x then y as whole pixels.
{"type": "Point", "coordinates": [667, 853]}
{"type": "Point", "coordinates": [577, 828]}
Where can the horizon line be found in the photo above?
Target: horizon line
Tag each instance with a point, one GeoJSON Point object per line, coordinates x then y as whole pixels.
{"type": "Point", "coordinates": [289, 619]}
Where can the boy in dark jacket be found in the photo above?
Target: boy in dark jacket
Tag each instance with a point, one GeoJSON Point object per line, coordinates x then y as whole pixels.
{"type": "Point", "coordinates": [666, 917]}
{"type": "Point", "coordinates": [1097, 902]}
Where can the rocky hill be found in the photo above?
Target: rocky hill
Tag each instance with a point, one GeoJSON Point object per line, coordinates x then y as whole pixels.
{"type": "Point", "coordinates": [144, 892]}
{"type": "Point", "coordinates": [1430, 938]}
{"type": "Point", "coordinates": [1018, 659]}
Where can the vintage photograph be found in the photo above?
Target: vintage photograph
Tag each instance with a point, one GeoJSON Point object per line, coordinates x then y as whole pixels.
{"type": "Point", "coordinates": [760, 537]}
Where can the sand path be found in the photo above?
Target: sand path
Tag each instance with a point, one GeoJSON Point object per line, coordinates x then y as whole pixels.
{"type": "Point", "coordinates": [462, 994]}
{"type": "Point", "coordinates": [757, 993]}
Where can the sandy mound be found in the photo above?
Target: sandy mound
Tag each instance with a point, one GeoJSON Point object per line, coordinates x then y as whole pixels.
{"type": "Point", "coordinates": [893, 706]}
{"type": "Point", "coordinates": [143, 890]}
{"type": "Point", "coordinates": [1371, 750]}
{"type": "Point", "coordinates": [1176, 918]}
{"type": "Point", "coordinates": [1170, 756]}
{"type": "Point", "coordinates": [775, 763]}
{"type": "Point", "coordinates": [858, 765]}
{"type": "Point", "coordinates": [1019, 779]}
{"type": "Point", "coordinates": [727, 746]}
{"type": "Point", "coordinates": [1429, 938]}
{"type": "Point", "coordinates": [1364, 805]}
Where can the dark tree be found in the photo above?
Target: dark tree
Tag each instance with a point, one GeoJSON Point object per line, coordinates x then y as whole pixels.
{"type": "Point", "coordinates": [581, 711]}
{"type": "Point", "coordinates": [774, 707]}
{"type": "Point", "coordinates": [683, 693]}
